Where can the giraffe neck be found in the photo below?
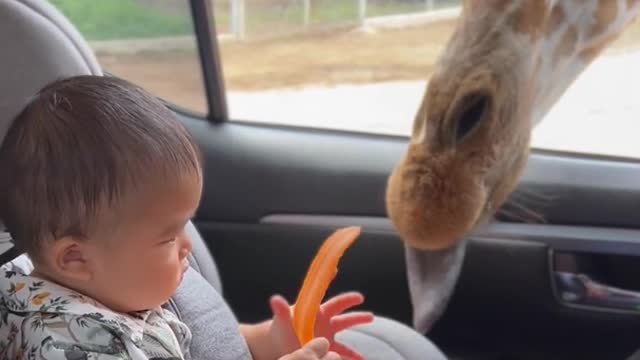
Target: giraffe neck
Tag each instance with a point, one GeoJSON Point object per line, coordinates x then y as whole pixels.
{"type": "Point", "coordinates": [577, 32]}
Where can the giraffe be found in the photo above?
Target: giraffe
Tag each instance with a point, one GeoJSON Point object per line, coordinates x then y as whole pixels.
{"type": "Point", "coordinates": [504, 67]}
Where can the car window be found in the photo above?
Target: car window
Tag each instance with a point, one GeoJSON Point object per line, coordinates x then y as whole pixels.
{"type": "Point", "coordinates": [149, 42]}
{"type": "Point", "coordinates": [600, 112]}
{"type": "Point", "coordinates": [363, 65]}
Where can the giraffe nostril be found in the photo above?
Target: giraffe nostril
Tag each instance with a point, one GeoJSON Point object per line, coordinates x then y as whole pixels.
{"type": "Point", "coordinates": [472, 109]}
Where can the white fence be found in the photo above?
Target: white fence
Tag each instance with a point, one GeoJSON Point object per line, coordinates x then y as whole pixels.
{"type": "Point", "coordinates": [238, 13]}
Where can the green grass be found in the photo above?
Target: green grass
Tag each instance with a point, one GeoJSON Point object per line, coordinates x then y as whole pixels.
{"type": "Point", "coordinates": [263, 19]}
{"type": "Point", "coordinates": [118, 19]}
{"type": "Point", "coordinates": [121, 19]}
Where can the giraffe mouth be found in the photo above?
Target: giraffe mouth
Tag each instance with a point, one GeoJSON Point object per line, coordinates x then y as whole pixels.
{"type": "Point", "coordinates": [487, 208]}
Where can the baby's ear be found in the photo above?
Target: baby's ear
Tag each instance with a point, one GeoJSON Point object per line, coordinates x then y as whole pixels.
{"type": "Point", "coordinates": [70, 259]}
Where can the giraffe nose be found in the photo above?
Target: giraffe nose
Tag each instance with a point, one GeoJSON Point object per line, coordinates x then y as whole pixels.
{"type": "Point", "coordinates": [472, 110]}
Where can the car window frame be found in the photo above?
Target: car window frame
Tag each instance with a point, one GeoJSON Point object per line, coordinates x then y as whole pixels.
{"type": "Point", "coordinates": [204, 26]}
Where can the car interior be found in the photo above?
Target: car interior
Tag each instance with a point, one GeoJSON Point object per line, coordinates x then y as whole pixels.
{"type": "Point", "coordinates": [45, 46]}
{"type": "Point", "coordinates": [559, 281]}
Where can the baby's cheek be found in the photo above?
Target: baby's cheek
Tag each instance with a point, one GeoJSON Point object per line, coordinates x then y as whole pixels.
{"type": "Point", "coordinates": [156, 283]}
{"type": "Point", "coordinates": [169, 268]}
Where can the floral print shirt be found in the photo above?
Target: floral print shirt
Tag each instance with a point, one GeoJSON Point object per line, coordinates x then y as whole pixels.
{"type": "Point", "coordinates": [42, 320]}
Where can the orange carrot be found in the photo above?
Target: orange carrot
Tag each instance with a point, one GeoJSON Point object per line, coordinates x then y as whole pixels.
{"type": "Point", "coordinates": [323, 269]}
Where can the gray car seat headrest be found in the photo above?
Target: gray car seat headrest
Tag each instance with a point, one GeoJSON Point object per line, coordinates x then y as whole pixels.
{"type": "Point", "coordinates": [39, 45]}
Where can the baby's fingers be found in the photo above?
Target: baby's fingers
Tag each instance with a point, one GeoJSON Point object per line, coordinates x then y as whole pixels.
{"type": "Point", "coordinates": [331, 356]}
{"type": "Point", "coordinates": [280, 308]}
{"type": "Point", "coordinates": [340, 303]}
{"type": "Point", "coordinates": [318, 347]}
{"type": "Point", "coordinates": [348, 320]}
{"type": "Point", "coordinates": [345, 352]}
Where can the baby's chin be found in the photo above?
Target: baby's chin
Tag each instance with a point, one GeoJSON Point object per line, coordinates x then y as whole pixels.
{"type": "Point", "coordinates": [162, 297]}
{"type": "Point", "coordinates": [152, 294]}
{"type": "Point", "coordinates": [152, 303]}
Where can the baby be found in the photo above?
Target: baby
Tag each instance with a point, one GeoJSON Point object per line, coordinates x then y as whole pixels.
{"type": "Point", "coordinates": [99, 180]}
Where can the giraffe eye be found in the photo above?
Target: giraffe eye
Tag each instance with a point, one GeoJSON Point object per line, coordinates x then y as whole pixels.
{"type": "Point", "coordinates": [473, 108]}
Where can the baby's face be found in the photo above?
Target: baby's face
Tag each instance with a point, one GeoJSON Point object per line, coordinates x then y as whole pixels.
{"type": "Point", "coordinates": [141, 262]}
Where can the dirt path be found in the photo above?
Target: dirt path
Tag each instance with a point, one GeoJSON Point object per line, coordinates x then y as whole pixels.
{"type": "Point", "coordinates": [330, 58]}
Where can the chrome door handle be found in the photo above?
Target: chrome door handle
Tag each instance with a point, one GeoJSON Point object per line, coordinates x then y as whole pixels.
{"type": "Point", "coordinates": [580, 289]}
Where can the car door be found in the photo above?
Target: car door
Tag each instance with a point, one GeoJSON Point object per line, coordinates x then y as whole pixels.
{"type": "Point", "coordinates": [302, 109]}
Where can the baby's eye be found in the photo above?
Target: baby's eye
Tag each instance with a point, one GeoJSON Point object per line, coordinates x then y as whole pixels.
{"type": "Point", "coordinates": [170, 241]}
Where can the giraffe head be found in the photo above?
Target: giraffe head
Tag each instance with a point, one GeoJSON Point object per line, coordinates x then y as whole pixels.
{"type": "Point", "coordinates": [505, 65]}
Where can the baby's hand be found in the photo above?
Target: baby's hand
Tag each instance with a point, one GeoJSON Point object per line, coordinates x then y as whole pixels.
{"type": "Point", "coordinates": [316, 349]}
{"type": "Point", "coordinates": [330, 320]}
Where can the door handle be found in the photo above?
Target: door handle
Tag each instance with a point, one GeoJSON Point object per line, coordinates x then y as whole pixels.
{"type": "Point", "coordinates": [580, 289]}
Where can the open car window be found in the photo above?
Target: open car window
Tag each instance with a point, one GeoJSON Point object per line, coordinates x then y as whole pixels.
{"type": "Point", "coordinates": [149, 42]}
{"type": "Point", "coordinates": [363, 65]}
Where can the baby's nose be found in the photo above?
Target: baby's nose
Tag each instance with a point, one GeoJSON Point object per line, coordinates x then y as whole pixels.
{"type": "Point", "coordinates": [187, 246]}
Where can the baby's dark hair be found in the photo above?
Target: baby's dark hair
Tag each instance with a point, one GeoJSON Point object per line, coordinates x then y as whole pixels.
{"type": "Point", "coordinates": [79, 147]}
